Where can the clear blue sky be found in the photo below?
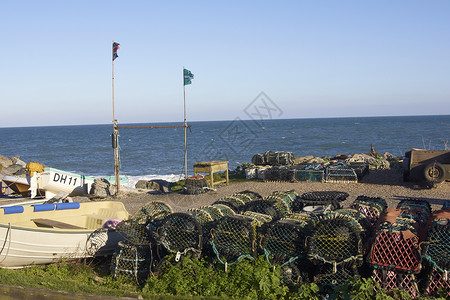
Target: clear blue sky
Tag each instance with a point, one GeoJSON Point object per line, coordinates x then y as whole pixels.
{"type": "Point", "coordinates": [312, 58]}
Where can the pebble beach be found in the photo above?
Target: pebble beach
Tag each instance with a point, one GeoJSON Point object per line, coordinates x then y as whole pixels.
{"type": "Point", "coordinates": [387, 184]}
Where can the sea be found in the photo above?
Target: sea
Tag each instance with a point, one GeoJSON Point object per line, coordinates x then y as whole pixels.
{"type": "Point", "coordinates": [159, 153]}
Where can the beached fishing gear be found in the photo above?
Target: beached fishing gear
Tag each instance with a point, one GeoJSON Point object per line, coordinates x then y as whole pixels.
{"type": "Point", "coordinates": [132, 261]}
{"type": "Point", "coordinates": [180, 233]}
{"type": "Point", "coordinates": [436, 253]}
{"type": "Point", "coordinates": [196, 185]}
{"type": "Point", "coordinates": [274, 159]}
{"type": "Point", "coordinates": [340, 173]}
{"type": "Point", "coordinates": [238, 200]}
{"type": "Point", "coordinates": [396, 245]}
{"type": "Point", "coordinates": [279, 174]}
{"type": "Point", "coordinates": [152, 211]}
{"type": "Point", "coordinates": [334, 247]}
{"type": "Point", "coordinates": [371, 207]}
{"type": "Point", "coordinates": [330, 200]}
{"type": "Point", "coordinates": [415, 209]}
{"type": "Point", "coordinates": [283, 243]}
{"type": "Point", "coordinates": [361, 169]}
{"type": "Point", "coordinates": [335, 240]}
{"type": "Point", "coordinates": [392, 279]}
{"type": "Point", "coordinates": [328, 276]}
{"type": "Point", "coordinates": [277, 204]}
{"type": "Point", "coordinates": [236, 237]}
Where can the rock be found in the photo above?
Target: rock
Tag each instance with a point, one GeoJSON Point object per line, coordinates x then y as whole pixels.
{"type": "Point", "coordinates": [154, 185]}
{"type": "Point", "coordinates": [17, 161]}
{"type": "Point", "coordinates": [16, 169]}
{"type": "Point", "coordinates": [5, 162]}
{"type": "Point", "coordinates": [101, 188]}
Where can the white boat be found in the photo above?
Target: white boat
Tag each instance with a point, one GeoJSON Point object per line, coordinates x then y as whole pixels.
{"type": "Point", "coordinates": [46, 233]}
{"type": "Point", "coordinates": [20, 185]}
{"type": "Point", "coordinates": [53, 181]}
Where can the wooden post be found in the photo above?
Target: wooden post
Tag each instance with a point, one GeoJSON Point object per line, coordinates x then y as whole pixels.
{"type": "Point", "coordinates": [185, 129]}
{"type": "Point", "coordinates": [115, 138]}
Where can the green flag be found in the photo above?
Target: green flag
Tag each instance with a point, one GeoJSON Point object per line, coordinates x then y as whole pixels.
{"type": "Point", "coordinates": [187, 76]}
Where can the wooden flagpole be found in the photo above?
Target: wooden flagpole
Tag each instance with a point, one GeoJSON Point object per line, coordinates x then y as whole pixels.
{"type": "Point", "coordinates": [185, 128]}
{"type": "Point", "coordinates": [115, 137]}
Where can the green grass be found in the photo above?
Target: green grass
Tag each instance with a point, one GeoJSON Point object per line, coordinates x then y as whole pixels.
{"type": "Point", "coordinates": [190, 279]}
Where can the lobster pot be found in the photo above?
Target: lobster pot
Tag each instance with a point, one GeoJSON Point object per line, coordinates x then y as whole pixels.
{"type": "Point", "coordinates": [179, 233]}
{"type": "Point", "coordinates": [224, 210]}
{"type": "Point", "coordinates": [328, 276]}
{"type": "Point", "coordinates": [284, 240]}
{"type": "Point", "coordinates": [437, 280]}
{"type": "Point", "coordinates": [134, 232]}
{"type": "Point", "coordinates": [361, 169]}
{"type": "Point", "coordinates": [195, 185]}
{"type": "Point", "coordinates": [396, 247]}
{"type": "Point", "coordinates": [389, 280]}
{"type": "Point", "coordinates": [132, 261]}
{"type": "Point", "coordinates": [151, 211]}
{"type": "Point", "coordinates": [277, 205]}
{"type": "Point", "coordinates": [235, 237]}
{"type": "Point", "coordinates": [207, 215]}
{"type": "Point", "coordinates": [371, 207]}
{"type": "Point", "coordinates": [340, 175]}
{"type": "Point", "coordinates": [335, 240]}
{"type": "Point", "coordinates": [238, 200]}
{"type": "Point", "coordinates": [279, 174]}
{"type": "Point", "coordinates": [309, 175]}
{"type": "Point", "coordinates": [359, 220]}
{"type": "Point", "coordinates": [417, 210]}
{"type": "Point", "coordinates": [324, 198]}
{"type": "Point", "coordinates": [437, 253]}
{"type": "Point", "coordinates": [291, 274]}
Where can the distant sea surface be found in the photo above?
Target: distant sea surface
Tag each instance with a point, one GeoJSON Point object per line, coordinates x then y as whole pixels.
{"type": "Point", "coordinates": [159, 153]}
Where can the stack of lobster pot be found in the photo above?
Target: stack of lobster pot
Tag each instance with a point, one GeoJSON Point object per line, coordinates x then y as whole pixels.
{"type": "Point", "coordinates": [395, 253]}
{"type": "Point", "coordinates": [134, 255]}
{"type": "Point", "coordinates": [320, 201]}
{"type": "Point", "coordinates": [234, 238]}
{"type": "Point", "coordinates": [283, 243]}
{"type": "Point", "coordinates": [335, 249]}
{"type": "Point", "coordinates": [239, 200]}
{"type": "Point", "coordinates": [277, 204]}
{"type": "Point", "coordinates": [187, 232]}
{"type": "Point", "coordinates": [371, 207]}
{"type": "Point", "coordinates": [436, 254]}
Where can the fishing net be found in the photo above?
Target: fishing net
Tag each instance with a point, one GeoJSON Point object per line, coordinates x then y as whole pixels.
{"type": "Point", "coordinates": [371, 207]}
{"type": "Point", "coordinates": [415, 209]}
{"type": "Point", "coordinates": [329, 276]}
{"type": "Point", "coordinates": [336, 240]}
{"type": "Point", "coordinates": [437, 247]}
{"type": "Point", "coordinates": [195, 185]}
{"type": "Point", "coordinates": [235, 237]}
{"type": "Point", "coordinates": [180, 233]}
{"type": "Point", "coordinates": [309, 175]}
{"type": "Point", "coordinates": [284, 241]}
{"type": "Point", "coordinates": [291, 274]}
{"type": "Point", "coordinates": [340, 175]}
{"type": "Point", "coordinates": [390, 280]}
{"type": "Point", "coordinates": [238, 200]}
{"type": "Point", "coordinates": [134, 232]}
{"type": "Point", "coordinates": [361, 169]}
{"type": "Point", "coordinates": [324, 198]}
{"type": "Point", "coordinates": [358, 220]}
{"type": "Point", "coordinates": [279, 174]}
{"type": "Point", "coordinates": [151, 211]}
{"type": "Point", "coordinates": [396, 247]}
{"type": "Point", "coordinates": [132, 261]}
{"type": "Point", "coordinates": [438, 280]}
